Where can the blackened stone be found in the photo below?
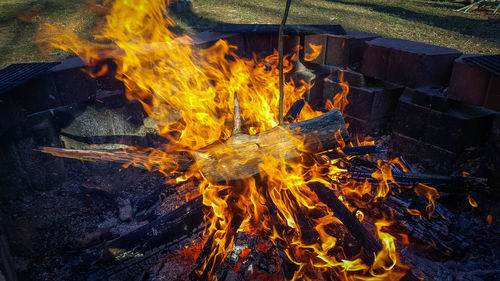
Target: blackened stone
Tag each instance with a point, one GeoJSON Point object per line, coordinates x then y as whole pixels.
{"type": "Point", "coordinates": [468, 83]}
{"type": "Point", "coordinates": [347, 50]}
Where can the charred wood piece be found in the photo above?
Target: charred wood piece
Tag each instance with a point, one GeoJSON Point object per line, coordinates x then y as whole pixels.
{"type": "Point", "coordinates": [410, 179]}
{"type": "Point", "coordinates": [356, 151]}
{"type": "Point", "coordinates": [142, 244]}
{"type": "Point", "coordinates": [294, 110]}
{"type": "Point", "coordinates": [362, 235]}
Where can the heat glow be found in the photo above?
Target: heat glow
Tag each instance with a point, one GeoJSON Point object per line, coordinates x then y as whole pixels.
{"type": "Point", "coordinates": [189, 93]}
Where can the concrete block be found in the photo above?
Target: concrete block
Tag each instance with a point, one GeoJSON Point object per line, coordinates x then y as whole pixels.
{"type": "Point", "coordinates": [430, 98]}
{"type": "Point", "coordinates": [347, 50]}
{"type": "Point", "coordinates": [366, 103]}
{"type": "Point", "coordinates": [408, 63]}
{"type": "Point", "coordinates": [468, 83]}
{"type": "Point", "coordinates": [459, 127]}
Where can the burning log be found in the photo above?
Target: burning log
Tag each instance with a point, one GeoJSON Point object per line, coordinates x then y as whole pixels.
{"type": "Point", "coordinates": [362, 235]}
{"type": "Point", "coordinates": [240, 154]}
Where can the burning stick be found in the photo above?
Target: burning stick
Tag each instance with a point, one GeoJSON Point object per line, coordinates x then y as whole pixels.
{"type": "Point", "coordinates": [364, 237]}
{"type": "Point", "coordinates": [240, 154]}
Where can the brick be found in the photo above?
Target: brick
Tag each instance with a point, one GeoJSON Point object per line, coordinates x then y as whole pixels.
{"type": "Point", "coordinates": [468, 83]}
{"type": "Point", "coordinates": [347, 50]}
{"type": "Point", "coordinates": [408, 63]}
{"type": "Point", "coordinates": [492, 100]}
{"type": "Point", "coordinates": [317, 39]}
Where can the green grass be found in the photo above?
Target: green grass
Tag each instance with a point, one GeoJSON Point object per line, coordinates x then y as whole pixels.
{"type": "Point", "coordinates": [433, 22]}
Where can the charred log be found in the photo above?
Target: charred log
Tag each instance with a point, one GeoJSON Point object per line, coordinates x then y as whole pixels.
{"type": "Point", "coordinates": [362, 235]}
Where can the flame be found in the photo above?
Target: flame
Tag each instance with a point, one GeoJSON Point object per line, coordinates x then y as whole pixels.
{"type": "Point", "coordinates": [316, 51]}
{"type": "Point", "coordinates": [472, 202]}
{"type": "Point", "coordinates": [489, 219]}
{"type": "Point", "coordinates": [414, 212]}
{"type": "Point", "coordinates": [340, 99]}
{"type": "Point", "coordinates": [430, 193]}
{"type": "Point", "coordinates": [190, 94]}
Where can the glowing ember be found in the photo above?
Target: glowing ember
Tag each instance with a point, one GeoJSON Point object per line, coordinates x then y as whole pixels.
{"type": "Point", "coordinates": [190, 94]}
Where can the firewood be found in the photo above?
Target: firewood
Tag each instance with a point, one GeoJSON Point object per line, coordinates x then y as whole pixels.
{"type": "Point", "coordinates": [370, 244]}
{"type": "Point", "coordinates": [239, 156]}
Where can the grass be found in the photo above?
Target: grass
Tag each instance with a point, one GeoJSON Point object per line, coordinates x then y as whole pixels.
{"type": "Point", "coordinates": [433, 22]}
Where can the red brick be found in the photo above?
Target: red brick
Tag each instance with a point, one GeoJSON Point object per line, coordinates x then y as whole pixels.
{"type": "Point", "coordinates": [468, 83]}
{"type": "Point", "coordinates": [347, 50]}
{"type": "Point", "coordinates": [492, 100]}
{"type": "Point", "coordinates": [408, 63]}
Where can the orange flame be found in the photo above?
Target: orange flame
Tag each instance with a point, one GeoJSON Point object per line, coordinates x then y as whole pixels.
{"type": "Point", "coordinates": [316, 51]}
{"type": "Point", "coordinates": [472, 202]}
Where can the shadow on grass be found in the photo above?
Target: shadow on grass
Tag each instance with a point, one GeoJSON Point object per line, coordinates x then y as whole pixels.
{"type": "Point", "coordinates": [462, 25]}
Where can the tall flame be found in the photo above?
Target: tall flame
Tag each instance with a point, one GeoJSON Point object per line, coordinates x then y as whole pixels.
{"type": "Point", "coordinates": [190, 94]}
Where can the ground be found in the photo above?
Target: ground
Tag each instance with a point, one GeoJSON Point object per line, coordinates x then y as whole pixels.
{"type": "Point", "coordinates": [434, 22]}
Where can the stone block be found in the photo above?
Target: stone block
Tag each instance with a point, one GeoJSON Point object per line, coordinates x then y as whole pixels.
{"type": "Point", "coordinates": [317, 39]}
{"type": "Point", "coordinates": [492, 100]}
{"type": "Point", "coordinates": [347, 50]}
{"type": "Point", "coordinates": [468, 83]}
{"type": "Point", "coordinates": [408, 63]}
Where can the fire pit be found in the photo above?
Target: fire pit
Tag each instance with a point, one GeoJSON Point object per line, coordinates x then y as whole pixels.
{"type": "Point", "coordinates": [190, 171]}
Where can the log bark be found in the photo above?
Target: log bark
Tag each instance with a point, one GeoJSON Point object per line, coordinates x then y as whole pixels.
{"type": "Point", "coordinates": [239, 156]}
